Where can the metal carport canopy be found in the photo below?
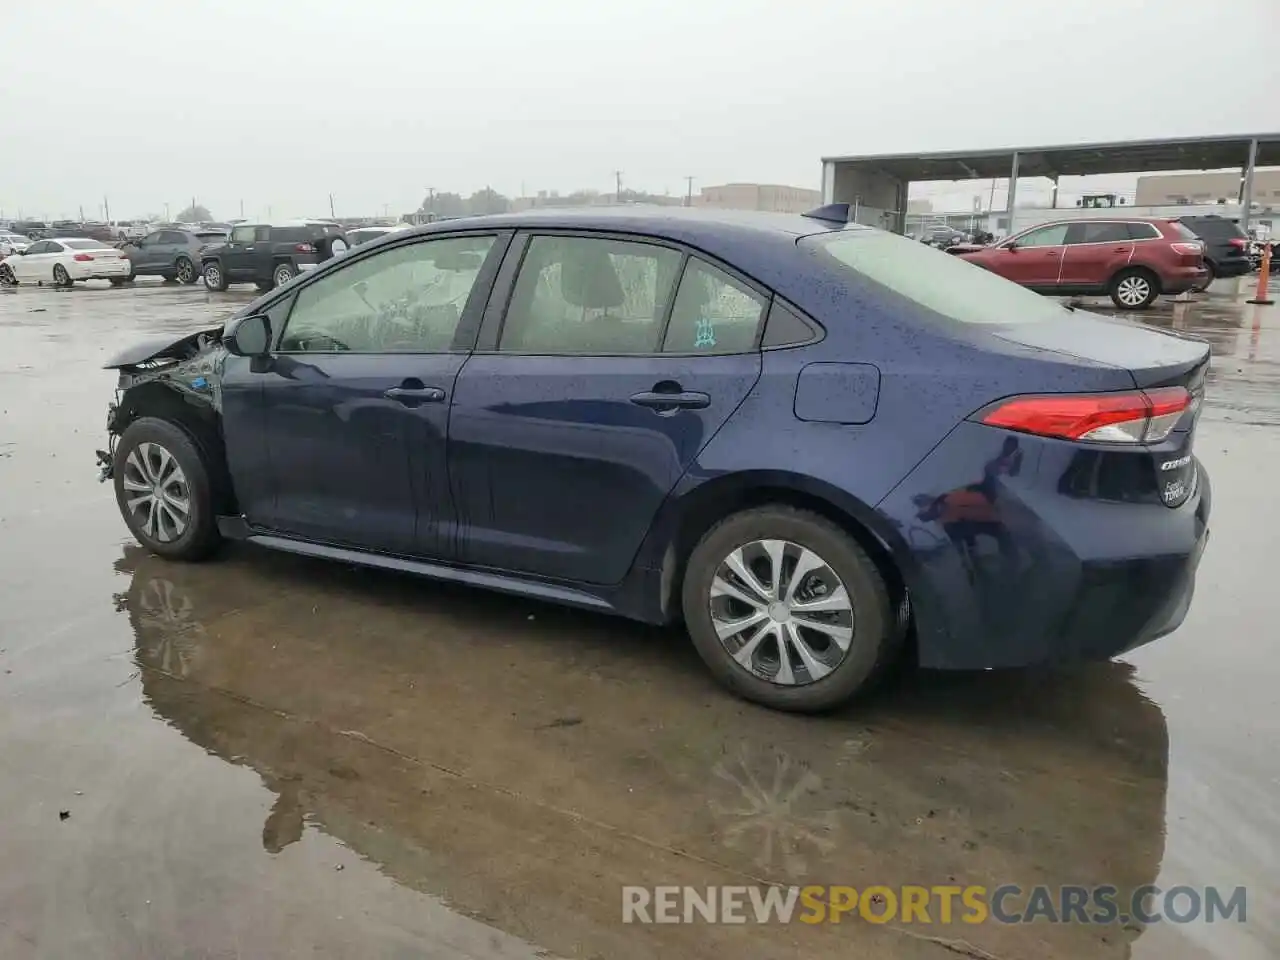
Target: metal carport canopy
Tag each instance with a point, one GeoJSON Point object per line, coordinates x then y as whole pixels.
{"type": "Point", "coordinates": [1084, 159]}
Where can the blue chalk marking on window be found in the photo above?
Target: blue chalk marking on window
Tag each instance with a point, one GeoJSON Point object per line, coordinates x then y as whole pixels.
{"type": "Point", "coordinates": [705, 334]}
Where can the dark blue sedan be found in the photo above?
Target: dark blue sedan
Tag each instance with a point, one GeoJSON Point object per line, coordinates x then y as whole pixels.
{"type": "Point", "coordinates": [819, 445]}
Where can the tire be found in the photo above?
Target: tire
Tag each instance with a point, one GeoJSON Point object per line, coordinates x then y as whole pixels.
{"type": "Point", "coordinates": [119, 281]}
{"type": "Point", "coordinates": [1213, 275]}
{"type": "Point", "coordinates": [7, 278]}
{"type": "Point", "coordinates": [263, 285]}
{"type": "Point", "coordinates": [281, 274]}
{"type": "Point", "coordinates": [149, 449]}
{"type": "Point", "coordinates": [185, 271]}
{"type": "Point", "coordinates": [1134, 289]}
{"type": "Point", "coordinates": [60, 276]}
{"type": "Point", "coordinates": [214, 278]}
{"type": "Point", "coordinates": [868, 623]}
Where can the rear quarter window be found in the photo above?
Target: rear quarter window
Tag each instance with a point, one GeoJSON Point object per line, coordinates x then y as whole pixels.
{"type": "Point", "coordinates": [947, 285]}
{"type": "Point", "coordinates": [1214, 229]}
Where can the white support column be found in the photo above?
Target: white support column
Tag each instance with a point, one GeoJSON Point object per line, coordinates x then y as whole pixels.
{"type": "Point", "coordinates": [1246, 195]}
{"type": "Point", "coordinates": [1013, 191]}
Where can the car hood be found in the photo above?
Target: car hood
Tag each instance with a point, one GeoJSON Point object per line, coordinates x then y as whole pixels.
{"type": "Point", "coordinates": [164, 348]}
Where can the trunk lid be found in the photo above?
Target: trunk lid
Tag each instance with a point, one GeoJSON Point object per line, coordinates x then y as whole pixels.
{"type": "Point", "coordinates": [1154, 358]}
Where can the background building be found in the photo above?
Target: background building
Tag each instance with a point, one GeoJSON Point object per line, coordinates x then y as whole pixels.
{"type": "Point", "coordinates": [760, 196]}
{"type": "Point", "coordinates": [1183, 188]}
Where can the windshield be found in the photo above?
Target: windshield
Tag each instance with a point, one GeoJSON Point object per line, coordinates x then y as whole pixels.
{"type": "Point", "coordinates": [85, 245]}
{"type": "Point", "coordinates": [946, 284]}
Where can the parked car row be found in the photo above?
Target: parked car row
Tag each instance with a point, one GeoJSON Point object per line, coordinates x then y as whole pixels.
{"type": "Point", "coordinates": [265, 254]}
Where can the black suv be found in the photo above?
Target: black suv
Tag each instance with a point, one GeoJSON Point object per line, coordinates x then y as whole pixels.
{"type": "Point", "coordinates": [1226, 246]}
{"type": "Point", "coordinates": [270, 254]}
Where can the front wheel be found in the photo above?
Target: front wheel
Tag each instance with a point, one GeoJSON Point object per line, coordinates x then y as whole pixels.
{"type": "Point", "coordinates": [214, 278]}
{"type": "Point", "coordinates": [786, 609]}
{"type": "Point", "coordinates": [282, 274]}
{"type": "Point", "coordinates": [163, 490]}
{"type": "Point", "coordinates": [60, 276]}
{"type": "Point", "coordinates": [1134, 289]}
{"type": "Point", "coordinates": [185, 271]}
{"type": "Point", "coordinates": [7, 278]}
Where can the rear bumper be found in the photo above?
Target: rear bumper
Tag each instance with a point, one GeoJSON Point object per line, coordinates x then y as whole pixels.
{"type": "Point", "coordinates": [1042, 576]}
{"type": "Point", "coordinates": [96, 270]}
{"type": "Point", "coordinates": [1182, 279]}
{"type": "Point", "coordinates": [1235, 267]}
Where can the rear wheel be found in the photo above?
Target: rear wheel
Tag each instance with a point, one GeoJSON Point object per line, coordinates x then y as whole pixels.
{"type": "Point", "coordinates": [185, 270]}
{"type": "Point", "coordinates": [786, 609]}
{"type": "Point", "coordinates": [119, 281]}
{"type": "Point", "coordinates": [163, 490]}
{"type": "Point", "coordinates": [282, 274]}
{"type": "Point", "coordinates": [60, 276]}
{"type": "Point", "coordinates": [1134, 289]}
{"type": "Point", "coordinates": [214, 278]}
{"type": "Point", "coordinates": [6, 276]}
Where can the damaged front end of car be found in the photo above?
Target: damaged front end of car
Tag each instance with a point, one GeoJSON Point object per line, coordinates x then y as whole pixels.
{"type": "Point", "coordinates": [175, 380]}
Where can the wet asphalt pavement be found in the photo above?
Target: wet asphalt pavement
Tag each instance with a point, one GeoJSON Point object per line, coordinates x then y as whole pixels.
{"type": "Point", "coordinates": [269, 756]}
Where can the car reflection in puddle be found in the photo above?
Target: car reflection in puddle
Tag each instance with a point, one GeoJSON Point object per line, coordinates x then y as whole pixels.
{"type": "Point", "coordinates": [424, 727]}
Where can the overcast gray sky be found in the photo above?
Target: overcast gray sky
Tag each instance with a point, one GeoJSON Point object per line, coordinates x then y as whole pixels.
{"type": "Point", "coordinates": [278, 103]}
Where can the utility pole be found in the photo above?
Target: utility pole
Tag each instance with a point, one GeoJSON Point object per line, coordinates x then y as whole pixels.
{"type": "Point", "coordinates": [106, 208]}
{"type": "Point", "coordinates": [688, 196]}
{"type": "Point", "coordinates": [431, 199]}
{"type": "Point", "coordinates": [166, 213]}
{"type": "Point", "coordinates": [617, 186]}
{"type": "Point", "coordinates": [193, 206]}
{"type": "Point", "coordinates": [332, 215]}
{"type": "Point", "coordinates": [82, 213]}
{"type": "Point", "coordinates": [242, 209]}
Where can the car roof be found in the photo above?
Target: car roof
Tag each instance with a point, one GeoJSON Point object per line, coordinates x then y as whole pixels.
{"type": "Point", "coordinates": [285, 223]}
{"type": "Point", "coordinates": [699, 227]}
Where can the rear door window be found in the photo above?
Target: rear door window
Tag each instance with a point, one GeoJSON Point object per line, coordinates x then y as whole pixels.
{"type": "Point", "coordinates": [1105, 232]}
{"type": "Point", "coordinates": [947, 285]}
{"type": "Point", "coordinates": [592, 296]}
{"type": "Point", "coordinates": [713, 313]}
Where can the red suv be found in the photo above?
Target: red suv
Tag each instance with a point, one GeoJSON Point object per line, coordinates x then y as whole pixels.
{"type": "Point", "coordinates": [1134, 259]}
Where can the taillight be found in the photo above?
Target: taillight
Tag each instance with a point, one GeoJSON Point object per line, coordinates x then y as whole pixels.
{"type": "Point", "coordinates": [304, 248]}
{"type": "Point", "coordinates": [1237, 242]}
{"type": "Point", "coordinates": [1189, 249]}
{"type": "Point", "coordinates": [1135, 417]}
{"type": "Point", "coordinates": [82, 258]}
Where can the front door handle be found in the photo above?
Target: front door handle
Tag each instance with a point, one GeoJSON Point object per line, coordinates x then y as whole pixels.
{"type": "Point", "coordinates": [670, 402]}
{"type": "Point", "coordinates": [410, 395]}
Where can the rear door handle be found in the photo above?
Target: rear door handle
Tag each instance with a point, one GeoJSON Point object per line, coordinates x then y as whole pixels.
{"type": "Point", "coordinates": [684, 400]}
{"type": "Point", "coordinates": [409, 395]}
